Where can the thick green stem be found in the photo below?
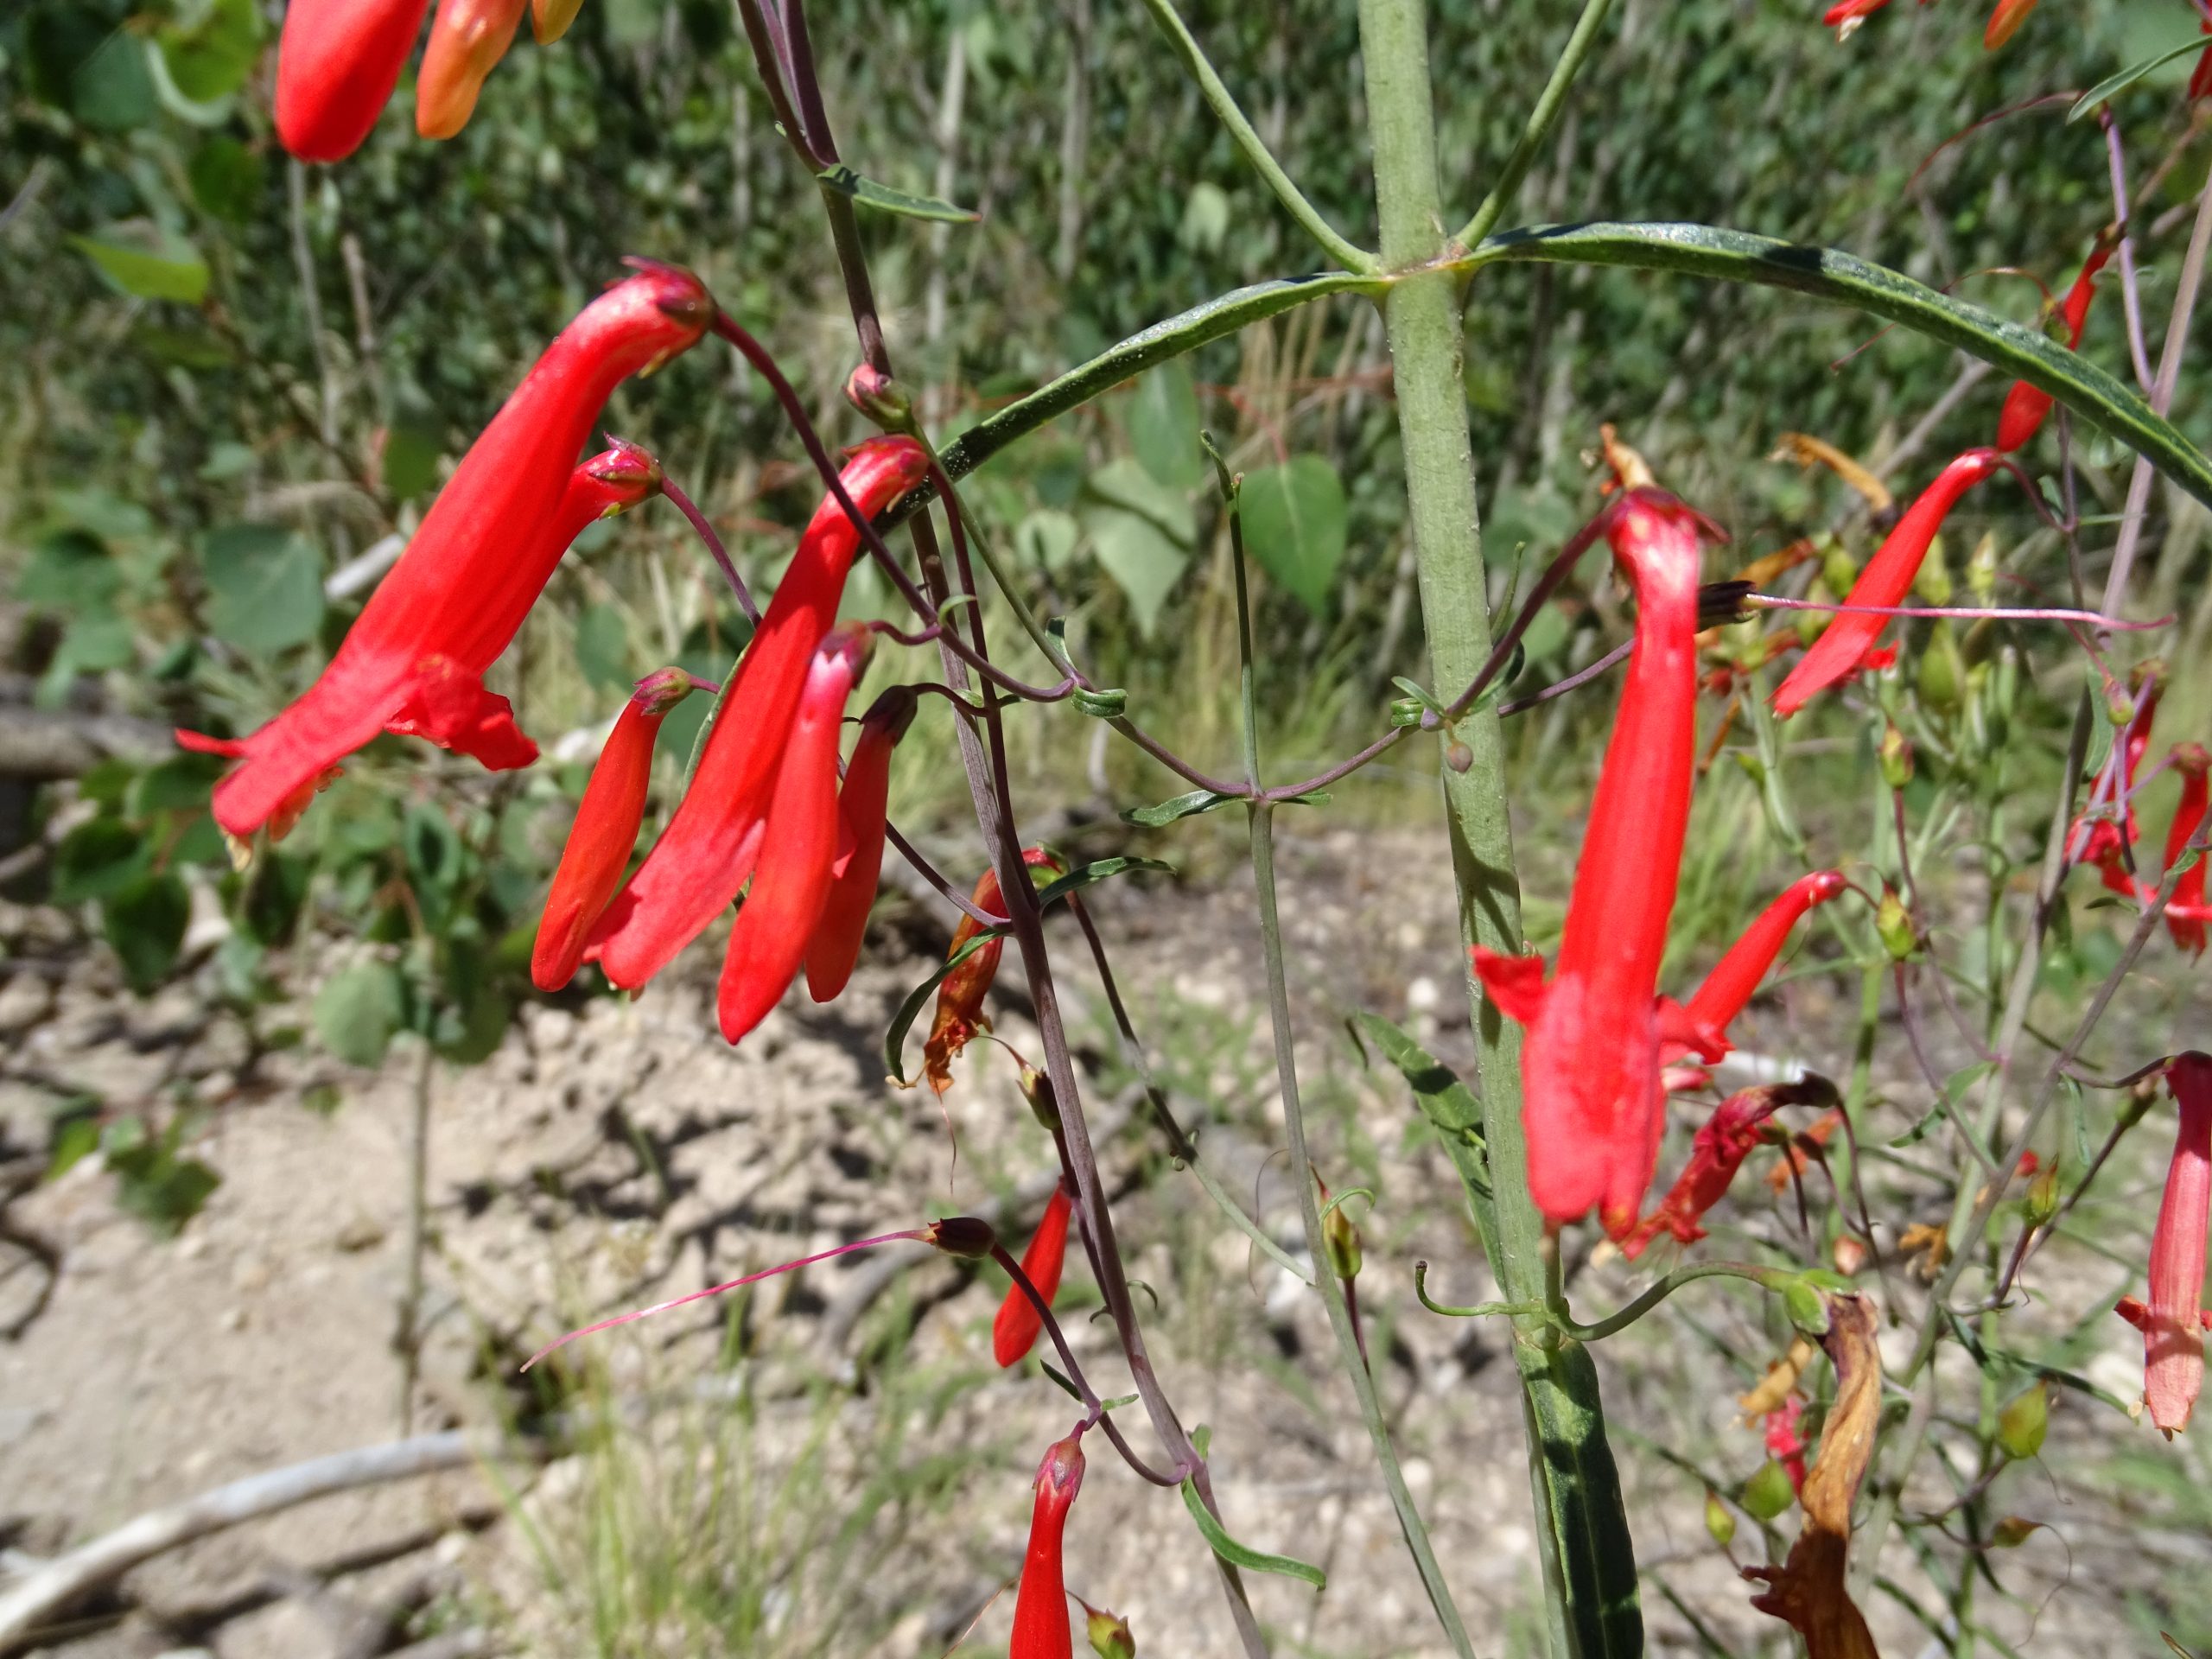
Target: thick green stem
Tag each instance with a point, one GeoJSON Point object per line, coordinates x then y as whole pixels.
{"type": "Point", "coordinates": [1589, 1561]}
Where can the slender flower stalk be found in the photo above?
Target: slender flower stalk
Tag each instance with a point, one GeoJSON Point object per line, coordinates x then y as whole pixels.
{"type": "Point", "coordinates": [2026, 406]}
{"type": "Point", "coordinates": [2191, 761]}
{"type": "Point", "coordinates": [959, 1013]}
{"type": "Point", "coordinates": [1738, 1125]}
{"type": "Point", "coordinates": [1014, 1332]}
{"type": "Point", "coordinates": [798, 846]}
{"type": "Point", "coordinates": [706, 852]}
{"type": "Point", "coordinates": [1728, 987]}
{"type": "Point", "coordinates": [415, 660]}
{"type": "Point", "coordinates": [1592, 1106]}
{"type": "Point", "coordinates": [2173, 1322]}
{"type": "Point", "coordinates": [466, 42]}
{"type": "Point", "coordinates": [605, 832]}
{"type": "Point", "coordinates": [1844, 645]}
{"type": "Point", "coordinates": [836, 945]}
{"type": "Point", "coordinates": [337, 62]}
{"type": "Point", "coordinates": [1042, 1626]}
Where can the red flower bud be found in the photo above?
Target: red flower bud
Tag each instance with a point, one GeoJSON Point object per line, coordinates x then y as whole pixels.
{"type": "Point", "coordinates": [708, 851]}
{"type": "Point", "coordinates": [797, 847]}
{"type": "Point", "coordinates": [1591, 1103]}
{"type": "Point", "coordinates": [2191, 761]}
{"type": "Point", "coordinates": [2004, 23]}
{"type": "Point", "coordinates": [606, 830]}
{"type": "Point", "coordinates": [2173, 1323]}
{"type": "Point", "coordinates": [1844, 643]}
{"type": "Point", "coordinates": [836, 945]}
{"type": "Point", "coordinates": [1042, 1627]}
{"type": "Point", "coordinates": [337, 62]}
{"type": "Point", "coordinates": [466, 42]}
{"type": "Point", "coordinates": [959, 1013]}
{"type": "Point", "coordinates": [1015, 1330]}
{"type": "Point", "coordinates": [2026, 406]}
{"type": "Point", "coordinates": [415, 660]}
{"type": "Point", "coordinates": [1728, 987]}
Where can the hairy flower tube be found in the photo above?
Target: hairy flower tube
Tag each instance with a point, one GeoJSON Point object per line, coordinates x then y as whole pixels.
{"type": "Point", "coordinates": [959, 1013]}
{"type": "Point", "coordinates": [1042, 1627]}
{"type": "Point", "coordinates": [413, 660]}
{"type": "Point", "coordinates": [2026, 406]}
{"type": "Point", "coordinates": [1592, 1105]}
{"type": "Point", "coordinates": [1727, 989]}
{"type": "Point", "coordinates": [705, 855]}
{"type": "Point", "coordinates": [798, 846]}
{"type": "Point", "coordinates": [1014, 1332]}
{"type": "Point", "coordinates": [836, 945]}
{"type": "Point", "coordinates": [1843, 644]}
{"type": "Point", "coordinates": [1718, 1151]}
{"type": "Point", "coordinates": [2191, 761]}
{"type": "Point", "coordinates": [606, 829]}
{"type": "Point", "coordinates": [466, 42]}
{"type": "Point", "coordinates": [337, 61]}
{"type": "Point", "coordinates": [2172, 1321]}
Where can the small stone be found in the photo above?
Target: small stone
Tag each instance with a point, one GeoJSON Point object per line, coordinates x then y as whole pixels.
{"type": "Point", "coordinates": [358, 1235]}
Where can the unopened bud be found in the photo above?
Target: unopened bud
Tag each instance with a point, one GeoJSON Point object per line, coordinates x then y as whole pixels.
{"type": "Point", "coordinates": [1767, 1492]}
{"type": "Point", "coordinates": [1933, 580]}
{"type": "Point", "coordinates": [1037, 1089]}
{"type": "Point", "coordinates": [1895, 755]}
{"type": "Point", "coordinates": [1340, 1240]}
{"type": "Point", "coordinates": [1893, 924]}
{"type": "Point", "coordinates": [2119, 709]}
{"type": "Point", "coordinates": [1806, 1308]}
{"type": "Point", "coordinates": [1938, 681]}
{"type": "Point", "coordinates": [2012, 1531]}
{"type": "Point", "coordinates": [879, 398]}
{"type": "Point", "coordinates": [1719, 1521]}
{"type": "Point", "coordinates": [1838, 570]}
{"type": "Point", "coordinates": [2040, 1206]}
{"type": "Point", "coordinates": [2023, 1423]}
{"type": "Point", "coordinates": [969, 1237]}
{"type": "Point", "coordinates": [1458, 755]}
{"type": "Point", "coordinates": [1108, 1633]}
{"type": "Point", "coordinates": [1981, 569]}
{"type": "Point", "coordinates": [1849, 1254]}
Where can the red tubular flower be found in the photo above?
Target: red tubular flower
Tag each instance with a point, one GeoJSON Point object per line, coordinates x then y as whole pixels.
{"type": "Point", "coordinates": [1785, 1444]}
{"type": "Point", "coordinates": [707, 851]}
{"type": "Point", "coordinates": [1848, 15]}
{"type": "Point", "coordinates": [1728, 987]}
{"type": "Point", "coordinates": [2004, 23]}
{"type": "Point", "coordinates": [798, 846]}
{"type": "Point", "coordinates": [959, 1013]}
{"type": "Point", "coordinates": [337, 62]}
{"type": "Point", "coordinates": [1844, 643]}
{"type": "Point", "coordinates": [2191, 761]}
{"type": "Point", "coordinates": [1042, 1627]}
{"type": "Point", "coordinates": [1802, 1145]}
{"type": "Point", "coordinates": [2174, 1321]}
{"type": "Point", "coordinates": [1591, 1097]}
{"type": "Point", "coordinates": [836, 945]}
{"type": "Point", "coordinates": [2107, 842]}
{"type": "Point", "coordinates": [2026, 406]}
{"type": "Point", "coordinates": [1723, 1141]}
{"type": "Point", "coordinates": [1015, 1330]}
{"type": "Point", "coordinates": [466, 42]}
{"type": "Point", "coordinates": [2200, 78]}
{"type": "Point", "coordinates": [414, 661]}
{"type": "Point", "coordinates": [606, 829]}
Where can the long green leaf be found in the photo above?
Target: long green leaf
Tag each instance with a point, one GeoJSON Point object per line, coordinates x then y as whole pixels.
{"type": "Point", "coordinates": [1844, 279]}
{"type": "Point", "coordinates": [1448, 1104]}
{"type": "Point", "coordinates": [2087, 103]}
{"type": "Point", "coordinates": [1228, 1549]}
{"type": "Point", "coordinates": [869, 193]}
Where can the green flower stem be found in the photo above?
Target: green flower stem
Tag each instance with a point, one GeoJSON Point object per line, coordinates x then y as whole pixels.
{"type": "Point", "coordinates": [1339, 246]}
{"type": "Point", "coordinates": [1549, 102]}
{"type": "Point", "coordinates": [1555, 1312]}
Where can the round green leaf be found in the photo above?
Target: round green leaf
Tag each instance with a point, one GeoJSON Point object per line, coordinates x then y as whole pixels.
{"type": "Point", "coordinates": [1139, 557]}
{"type": "Point", "coordinates": [264, 588]}
{"type": "Point", "coordinates": [1164, 426]}
{"type": "Point", "coordinates": [227, 179]}
{"type": "Point", "coordinates": [357, 1012]}
{"type": "Point", "coordinates": [1295, 525]}
{"type": "Point", "coordinates": [145, 923]}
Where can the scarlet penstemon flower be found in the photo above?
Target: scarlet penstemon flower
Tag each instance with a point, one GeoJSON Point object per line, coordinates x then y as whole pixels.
{"type": "Point", "coordinates": [708, 851]}
{"type": "Point", "coordinates": [337, 62]}
{"type": "Point", "coordinates": [959, 1013]}
{"type": "Point", "coordinates": [1591, 1098]}
{"type": "Point", "coordinates": [1014, 1332]}
{"type": "Point", "coordinates": [466, 42]}
{"type": "Point", "coordinates": [606, 829]}
{"type": "Point", "coordinates": [413, 660]}
{"type": "Point", "coordinates": [2105, 835]}
{"type": "Point", "coordinates": [1042, 1627]}
{"type": "Point", "coordinates": [2174, 1321]}
{"type": "Point", "coordinates": [798, 845]}
{"type": "Point", "coordinates": [1783, 1442]}
{"type": "Point", "coordinates": [2026, 406]}
{"type": "Point", "coordinates": [1847, 641]}
{"type": "Point", "coordinates": [2191, 761]}
{"type": "Point", "coordinates": [836, 945]}
{"type": "Point", "coordinates": [1729, 987]}
{"type": "Point", "coordinates": [1722, 1142]}
{"type": "Point", "coordinates": [2005, 21]}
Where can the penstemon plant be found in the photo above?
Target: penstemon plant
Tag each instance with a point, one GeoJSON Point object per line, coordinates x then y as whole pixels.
{"type": "Point", "coordinates": [1578, 1068]}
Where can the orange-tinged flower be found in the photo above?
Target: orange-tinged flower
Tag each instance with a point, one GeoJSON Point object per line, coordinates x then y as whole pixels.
{"type": "Point", "coordinates": [2005, 21]}
{"type": "Point", "coordinates": [959, 1013]}
{"type": "Point", "coordinates": [466, 42]}
{"type": "Point", "coordinates": [1042, 1626]}
{"type": "Point", "coordinates": [1591, 1103]}
{"type": "Point", "coordinates": [837, 943]}
{"type": "Point", "coordinates": [2191, 761]}
{"type": "Point", "coordinates": [705, 855]}
{"type": "Point", "coordinates": [2172, 1321]}
{"type": "Point", "coordinates": [2025, 406]}
{"type": "Point", "coordinates": [1845, 644]}
{"type": "Point", "coordinates": [798, 845]}
{"type": "Point", "coordinates": [413, 660]}
{"type": "Point", "coordinates": [605, 832]}
{"type": "Point", "coordinates": [337, 62]}
{"type": "Point", "coordinates": [1015, 1330]}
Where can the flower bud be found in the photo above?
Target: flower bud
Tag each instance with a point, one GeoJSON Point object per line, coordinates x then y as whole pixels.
{"type": "Point", "coordinates": [1037, 1089]}
{"type": "Point", "coordinates": [1893, 924]}
{"type": "Point", "coordinates": [1109, 1633]}
{"type": "Point", "coordinates": [1458, 755]}
{"type": "Point", "coordinates": [2012, 1531]}
{"type": "Point", "coordinates": [2040, 1206]}
{"type": "Point", "coordinates": [1768, 1493]}
{"type": "Point", "coordinates": [1838, 570]}
{"type": "Point", "coordinates": [2119, 709]}
{"type": "Point", "coordinates": [1895, 756]}
{"type": "Point", "coordinates": [1719, 1523]}
{"type": "Point", "coordinates": [2024, 1421]}
{"type": "Point", "coordinates": [968, 1237]}
{"type": "Point", "coordinates": [1932, 581]}
{"type": "Point", "coordinates": [879, 398]}
{"type": "Point", "coordinates": [1849, 1254]}
{"type": "Point", "coordinates": [1981, 569]}
{"type": "Point", "coordinates": [1806, 1308]}
{"type": "Point", "coordinates": [1340, 1241]}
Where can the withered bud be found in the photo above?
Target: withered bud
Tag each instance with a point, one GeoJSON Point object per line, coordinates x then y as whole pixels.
{"type": "Point", "coordinates": [1895, 756]}
{"type": "Point", "coordinates": [1849, 1254]}
{"type": "Point", "coordinates": [1037, 1089]}
{"type": "Point", "coordinates": [879, 398]}
{"type": "Point", "coordinates": [969, 1237]}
